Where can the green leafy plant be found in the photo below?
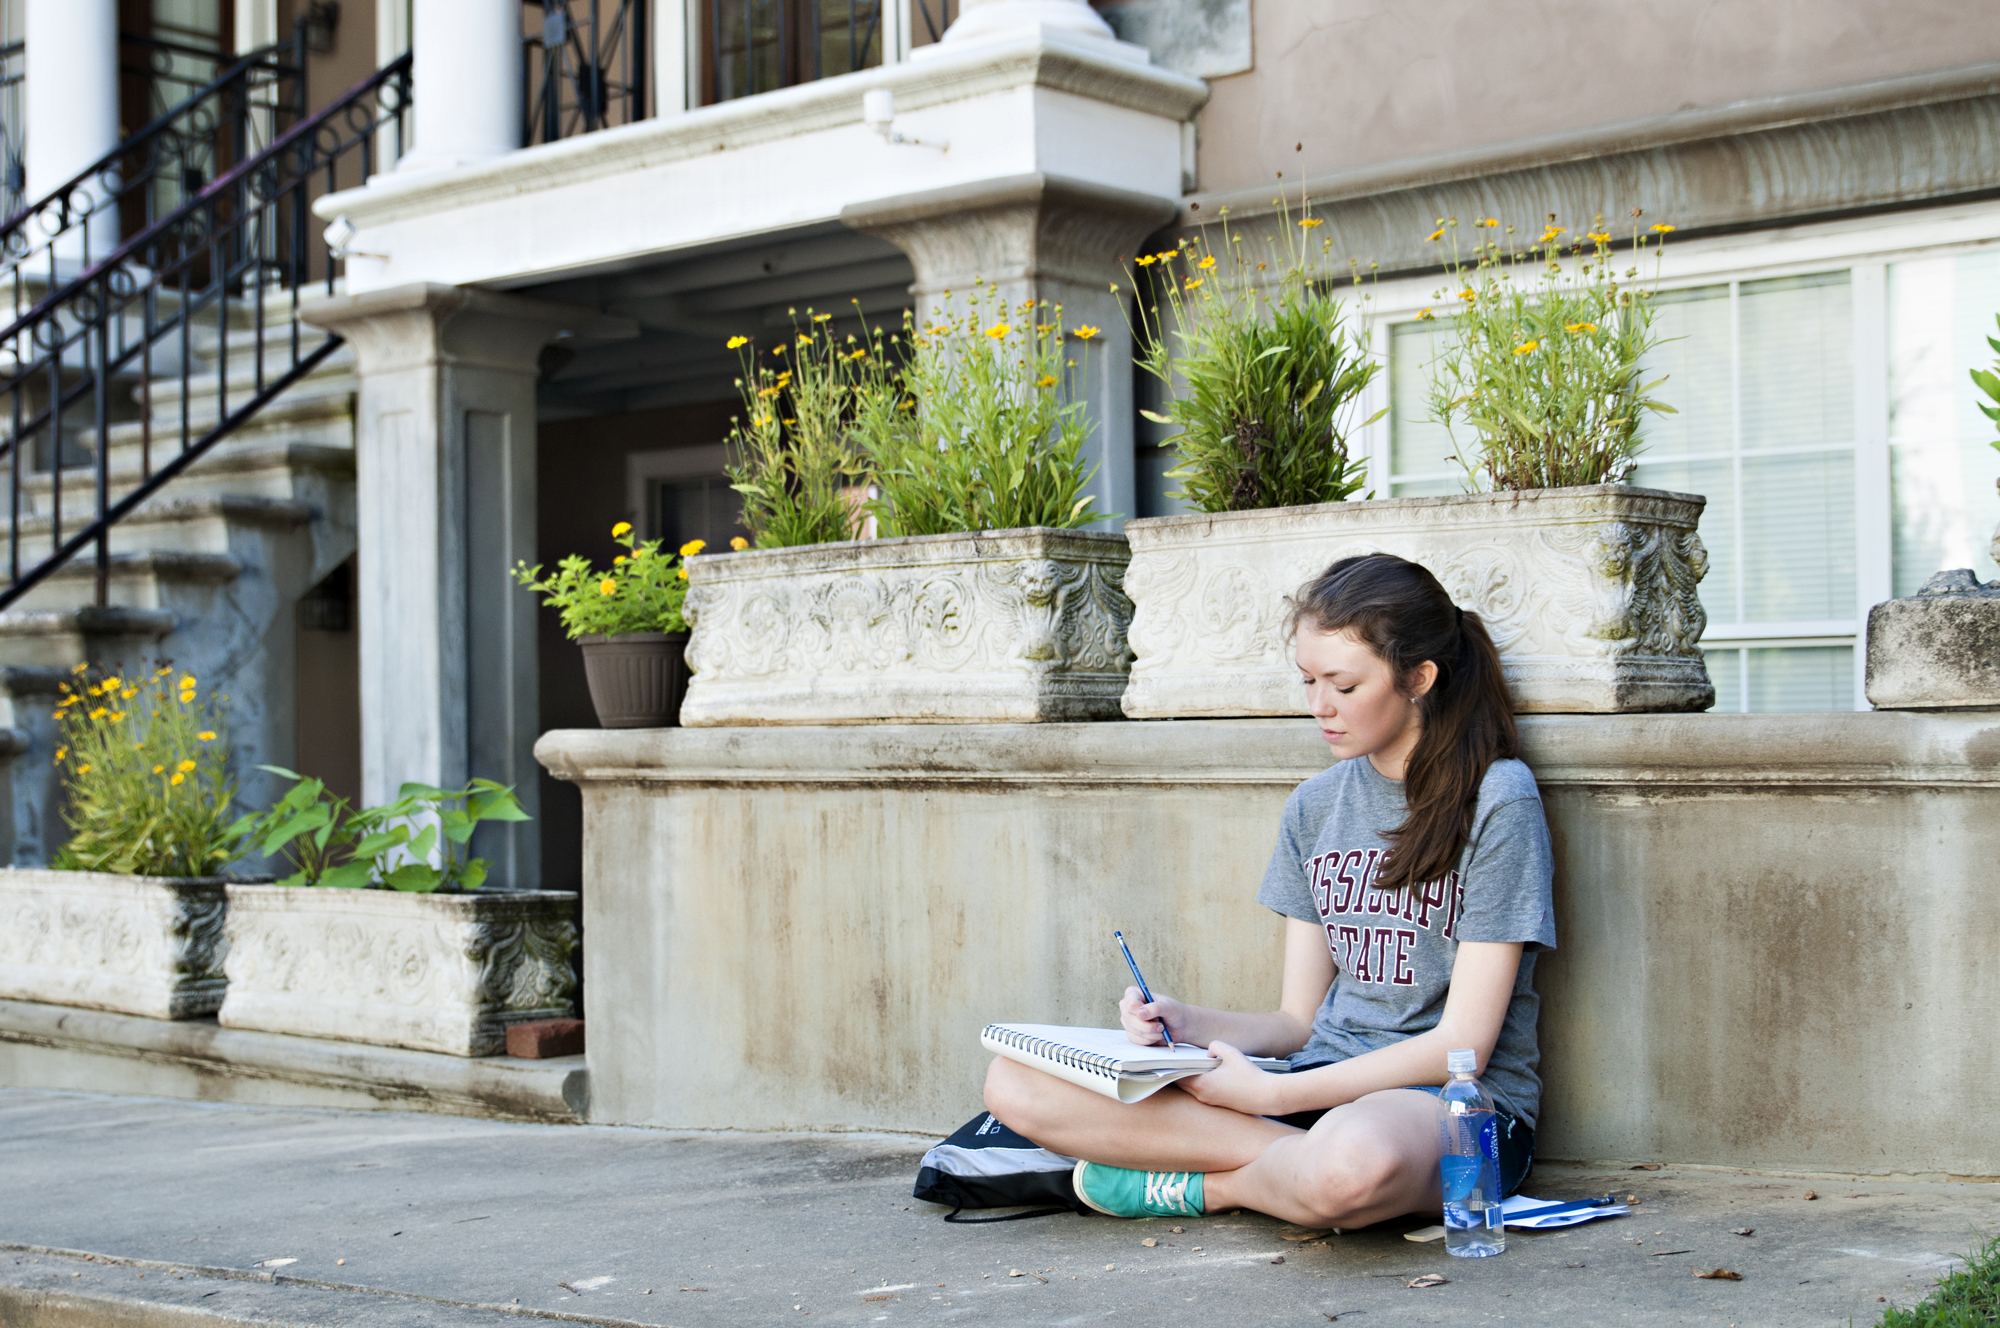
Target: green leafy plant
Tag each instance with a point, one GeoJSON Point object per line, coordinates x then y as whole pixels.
{"type": "Point", "coordinates": [1542, 359]}
{"type": "Point", "coordinates": [144, 764]}
{"type": "Point", "coordinates": [1968, 1296]}
{"type": "Point", "coordinates": [795, 455]}
{"type": "Point", "coordinates": [981, 437]}
{"type": "Point", "coordinates": [1988, 381]}
{"type": "Point", "coordinates": [1267, 371]}
{"type": "Point", "coordinates": [642, 591]}
{"type": "Point", "coordinates": [417, 843]}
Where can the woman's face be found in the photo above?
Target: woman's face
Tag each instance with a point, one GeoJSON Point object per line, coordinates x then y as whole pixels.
{"type": "Point", "coordinates": [1351, 691]}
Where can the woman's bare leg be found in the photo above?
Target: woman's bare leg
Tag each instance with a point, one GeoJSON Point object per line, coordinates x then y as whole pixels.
{"type": "Point", "coordinates": [1373, 1159]}
{"type": "Point", "coordinates": [1169, 1131]}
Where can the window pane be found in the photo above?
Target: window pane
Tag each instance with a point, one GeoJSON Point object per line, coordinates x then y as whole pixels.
{"type": "Point", "coordinates": [1725, 669]}
{"type": "Point", "coordinates": [1941, 467]}
{"type": "Point", "coordinates": [1798, 537]}
{"type": "Point", "coordinates": [1798, 361]}
{"type": "Point", "coordinates": [1802, 678]}
{"type": "Point", "coordinates": [1416, 445]}
{"type": "Point", "coordinates": [1711, 479]}
{"type": "Point", "coordinates": [1438, 488]}
{"type": "Point", "coordinates": [1694, 355]}
{"type": "Point", "coordinates": [850, 36]}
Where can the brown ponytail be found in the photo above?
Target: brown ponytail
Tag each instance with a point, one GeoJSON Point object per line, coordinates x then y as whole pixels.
{"type": "Point", "coordinates": [1401, 612]}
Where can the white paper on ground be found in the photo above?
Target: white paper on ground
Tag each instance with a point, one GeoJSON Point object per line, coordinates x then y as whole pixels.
{"type": "Point", "coordinates": [1521, 1203]}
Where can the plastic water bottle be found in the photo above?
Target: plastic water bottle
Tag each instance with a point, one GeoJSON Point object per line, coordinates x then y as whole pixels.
{"type": "Point", "coordinates": [1469, 1130]}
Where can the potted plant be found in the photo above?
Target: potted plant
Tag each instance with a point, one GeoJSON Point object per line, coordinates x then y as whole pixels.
{"type": "Point", "coordinates": [1589, 586]}
{"type": "Point", "coordinates": [982, 601]}
{"type": "Point", "coordinates": [129, 915]}
{"type": "Point", "coordinates": [627, 619]}
{"type": "Point", "coordinates": [382, 933]}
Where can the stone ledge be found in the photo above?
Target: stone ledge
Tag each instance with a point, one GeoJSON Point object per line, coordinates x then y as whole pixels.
{"type": "Point", "coordinates": [61, 1047]}
{"type": "Point", "coordinates": [1843, 749]}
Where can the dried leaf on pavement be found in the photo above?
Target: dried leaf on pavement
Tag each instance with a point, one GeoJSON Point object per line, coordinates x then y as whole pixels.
{"type": "Point", "coordinates": [1719, 1275]}
{"type": "Point", "coordinates": [1304, 1233]}
{"type": "Point", "coordinates": [1427, 1280]}
{"type": "Point", "coordinates": [1742, 1231]}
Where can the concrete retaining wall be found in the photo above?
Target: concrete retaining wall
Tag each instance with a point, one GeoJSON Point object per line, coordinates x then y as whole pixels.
{"type": "Point", "coordinates": [1777, 931]}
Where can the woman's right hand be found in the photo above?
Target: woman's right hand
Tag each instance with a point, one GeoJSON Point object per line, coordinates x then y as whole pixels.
{"type": "Point", "coordinates": [1142, 1019]}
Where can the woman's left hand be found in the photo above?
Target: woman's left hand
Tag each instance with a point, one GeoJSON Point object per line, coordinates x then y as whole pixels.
{"type": "Point", "coordinates": [1236, 1084]}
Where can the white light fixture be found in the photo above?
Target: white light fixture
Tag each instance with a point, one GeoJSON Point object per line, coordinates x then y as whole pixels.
{"type": "Point", "coordinates": [878, 112]}
{"type": "Point", "coordinates": [340, 235]}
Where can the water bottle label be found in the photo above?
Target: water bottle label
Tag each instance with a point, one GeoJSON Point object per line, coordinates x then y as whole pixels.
{"type": "Point", "coordinates": [1461, 1178]}
{"type": "Point", "coordinates": [1489, 1138]}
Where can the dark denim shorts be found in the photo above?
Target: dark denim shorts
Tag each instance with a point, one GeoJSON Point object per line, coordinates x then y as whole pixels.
{"type": "Point", "coordinates": [1517, 1137]}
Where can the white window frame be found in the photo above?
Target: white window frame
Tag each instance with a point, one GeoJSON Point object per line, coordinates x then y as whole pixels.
{"type": "Point", "coordinates": [1864, 248]}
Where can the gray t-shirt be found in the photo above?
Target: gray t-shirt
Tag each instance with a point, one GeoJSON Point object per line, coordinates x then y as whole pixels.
{"type": "Point", "coordinates": [1394, 950]}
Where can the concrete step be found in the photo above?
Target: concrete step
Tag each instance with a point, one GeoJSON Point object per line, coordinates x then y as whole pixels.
{"type": "Point", "coordinates": [145, 580]}
{"type": "Point", "coordinates": [249, 466]}
{"type": "Point", "coordinates": [169, 522]}
{"type": "Point", "coordinates": [40, 646]}
{"type": "Point", "coordinates": [94, 1051]}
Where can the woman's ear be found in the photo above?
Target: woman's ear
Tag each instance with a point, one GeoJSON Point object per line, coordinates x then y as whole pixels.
{"type": "Point", "coordinates": [1422, 679]}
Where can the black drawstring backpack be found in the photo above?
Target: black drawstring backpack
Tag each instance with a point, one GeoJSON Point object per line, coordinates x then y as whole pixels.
{"type": "Point", "coordinates": [986, 1165]}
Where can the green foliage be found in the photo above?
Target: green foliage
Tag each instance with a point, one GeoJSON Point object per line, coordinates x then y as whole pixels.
{"type": "Point", "coordinates": [642, 590]}
{"type": "Point", "coordinates": [1543, 359]}
{"type": "Point", "coordinates": [981, 436]}
{"type": "Point", "coordinates": [417, 843]}
{"type": "Point", "coordinates": [1968, 1298]}
{"type": "Point", "coordinates": [1268, 372]}
{"type": "Point", "coordinates": [1988, 381]}
{"type": "Point", "coordinates": [796, 459]}
{"type": "Point", "coordinates": [144, 766]}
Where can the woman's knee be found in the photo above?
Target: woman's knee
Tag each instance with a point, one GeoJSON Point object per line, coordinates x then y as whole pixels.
{"type": "Point", "coordinates": [1342, 1183]}
{"type": "Point", "coordinates": [1011, 1093]}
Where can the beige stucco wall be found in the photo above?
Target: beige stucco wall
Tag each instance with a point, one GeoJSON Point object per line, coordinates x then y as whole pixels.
{"type": "Point", "coordinates": [1776, 931]}
{"type": "Point", "coordinates": [1359, 82]}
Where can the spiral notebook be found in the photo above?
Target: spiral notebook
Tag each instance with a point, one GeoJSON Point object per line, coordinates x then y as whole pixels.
{"type": "Point", "coordinates": [1104, 1060]}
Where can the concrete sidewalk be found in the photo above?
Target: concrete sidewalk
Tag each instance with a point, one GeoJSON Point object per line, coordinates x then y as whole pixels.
{"type": "Point", "coordinates": [140, 1211]}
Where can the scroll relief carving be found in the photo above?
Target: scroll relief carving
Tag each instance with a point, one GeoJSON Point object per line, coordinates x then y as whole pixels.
{"type": "Point", "coordinates": [459, 963]}
{"type": "Point", "coordinates": [1033, 616]}
{"type": "Point", "coordinates": [1598, 590]}
{"type": "Point", "coordinates": [143, 946]}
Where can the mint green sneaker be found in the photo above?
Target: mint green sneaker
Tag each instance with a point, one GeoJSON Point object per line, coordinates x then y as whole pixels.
{"type": "Point", "coordinates": [1121, 1192]}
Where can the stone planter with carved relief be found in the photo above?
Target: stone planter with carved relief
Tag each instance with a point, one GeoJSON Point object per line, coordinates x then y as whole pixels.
{"type": "Point", "coordinates": [1590, 594]}
{"type": "Point", "coordinates": [145, 945]}
{"type": "Point", "coordinates": [995, 626]}
{"type": "Point", "coordinates": [439, 972]}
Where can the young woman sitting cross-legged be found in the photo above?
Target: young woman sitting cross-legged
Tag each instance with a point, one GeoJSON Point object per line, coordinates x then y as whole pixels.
{"type": "Point", "coordinates": [1414, 877]}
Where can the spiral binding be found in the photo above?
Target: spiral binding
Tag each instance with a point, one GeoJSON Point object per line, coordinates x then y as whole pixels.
{"type": "Point", "coordinates": [1055, 1051]}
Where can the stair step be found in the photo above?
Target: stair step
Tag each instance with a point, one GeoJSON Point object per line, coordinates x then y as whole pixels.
{"type": "Point", "coordinates": [40, 646]}
{"type": "Point", "coordinates": [254, 464]}
{"type": "Point", "coordinates": [144, 527]}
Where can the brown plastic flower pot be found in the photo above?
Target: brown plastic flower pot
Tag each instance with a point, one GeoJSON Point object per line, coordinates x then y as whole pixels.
{"type": "Point", "coordinates": [636, 679]}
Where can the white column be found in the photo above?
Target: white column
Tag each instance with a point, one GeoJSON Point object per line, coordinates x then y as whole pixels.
{"type": "Point", "coordinates": [468, 82]}
{"type": "Point", "coordinates": [1051, 20]}
{"type": "Point", "coordinates": [72, 107]}
{"type": "Point", "coordinates": [675, 76]}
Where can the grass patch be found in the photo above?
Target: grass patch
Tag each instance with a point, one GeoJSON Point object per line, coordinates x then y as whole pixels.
{"type": "Point", "coordinates": [1969, 1298]}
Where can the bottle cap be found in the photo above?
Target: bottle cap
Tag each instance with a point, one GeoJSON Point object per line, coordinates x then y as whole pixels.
{"type": "Point", "coordinates": [1462, 1062]}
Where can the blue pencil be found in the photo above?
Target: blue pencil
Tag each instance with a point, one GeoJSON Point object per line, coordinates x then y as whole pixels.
{"type": "Point", "coordinates": [1139, 978]}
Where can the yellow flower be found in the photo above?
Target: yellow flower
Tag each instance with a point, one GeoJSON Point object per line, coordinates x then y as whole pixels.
{"type": "Point", "coordinates": [1600, 237]}
{"type": "Point", "coordinates": [83, 770]}
{"type": "Point", "coordinates": [619, 561]}
{"type": "Point", "coordinates": [777, 350]}
{"type": "Point", "coordinates": [187, 682]}
{"type": "Point", "coordinates": [999, 331]}
{"type": "Point", "coordinates": [1661, 228]}
{"type": "Point", "coordinates": [185, 766]}
{"type": "Point", "coordinates": [113, 683]}
{"type": "Point", "coordinates": [129, 693]}
{"type": "Point", "coordinates": [1579, 327]}
{"type": "Point", "coordinates": [1194, 283]}
{"type": "Point", "coordinates": [1206, 263]}
{"type": "Point", "coordinates": [1084, 333]}
{"type": "Point", "coordinates": [117, 716]}
{"type": "Point", "coordinates": [805, 338]}
{"type": "Point", "coordinates": [206, 735]}
{"type": "Point", "coordinates": [1490, 221]}
{"type": "Point", "coordinates": [1046, 380]}
{"type": "Point", "coordinates": [61, 752]}
{"type": "Point", "coordinates": [186, 697]}
{"type": "Point", "coordinates": [177, 779]}
{"type": "Point", "coordinates": [158, 769]}
{"type": "Point", "coordinates": [607, 587]}
{"type": "Point", "coordinates": [737, 343]}
{"type": "Point", "coordinates": [860, 354]}
{"type": "Point", "coordinates": [1167, 257]}
{"type": "Point", "coordinates": [99, 713]}
{"type": "Point", "coordinates": [1437, 233]}
{"type": "Point", "coordinates": [622, 528]}
{"type": "Point", "coordinates": [692, 547]}
{"type": "Point", "coordinates": [1424, 315]}
{"type": "Point", "coordinates": [1527, 348]}
{"type": "Point", "coordinates": [1309, 222]}
{"type": "Point", "coordinates": [1145, 260]}
{"type": "Point", "coordinates": [1466, 294]}
{"type": "Point", "coordinates": [80, 668]}
{"type": "Point", "coordinates": [682, 574]}
{"type": "Point", "coordinates": [738, 543]}
{"type": "Point", "coordinates": [822, 318]}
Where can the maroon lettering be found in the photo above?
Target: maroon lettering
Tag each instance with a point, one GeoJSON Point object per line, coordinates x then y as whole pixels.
{"type": "Point", "coordinates": [1344, 952]}
{"type": "Point", "coordinates": [1433, 896]}
{"type": "Point", "coordinates": [1345, 900]}
{"type": "Point", "coordinates": [1456, 890]}
{"type": "Point", "coordinates": [1403, 975]}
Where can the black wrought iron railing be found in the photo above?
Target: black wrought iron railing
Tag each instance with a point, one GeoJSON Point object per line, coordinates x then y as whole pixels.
{"type": "Point", "coordinates": [934, 16]}
{"type": "Point", "coordinates": [585, 66]}
{"type": "Point", "coordinates": [196, 314]}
